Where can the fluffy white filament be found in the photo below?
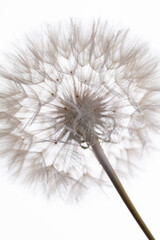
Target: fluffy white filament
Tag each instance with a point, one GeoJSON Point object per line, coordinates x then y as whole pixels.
{"type": "Point", "coordinates": [63, 89]}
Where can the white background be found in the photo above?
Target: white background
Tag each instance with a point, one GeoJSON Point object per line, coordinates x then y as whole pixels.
{"type": "Point", "coordinates": [28, 216]}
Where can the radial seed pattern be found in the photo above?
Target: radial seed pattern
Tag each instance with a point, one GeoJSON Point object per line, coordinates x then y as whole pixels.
{"type": "Point", "coordinates": [64, 89]}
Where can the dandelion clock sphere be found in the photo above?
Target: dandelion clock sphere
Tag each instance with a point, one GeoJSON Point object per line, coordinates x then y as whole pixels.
{"type": "Point", "coordinates": [70, 89]}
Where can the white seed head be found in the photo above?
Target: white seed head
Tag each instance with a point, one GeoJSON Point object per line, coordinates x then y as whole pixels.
{"type": "Point", "coordinates": [64, 89]}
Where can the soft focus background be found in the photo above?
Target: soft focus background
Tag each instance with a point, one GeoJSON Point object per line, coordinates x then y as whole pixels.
{"type": "Point", "coordinates": [25, 215]}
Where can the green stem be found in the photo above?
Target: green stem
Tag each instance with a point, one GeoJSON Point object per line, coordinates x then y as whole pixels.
{"type": "Point", "coordinates": [99, 153]}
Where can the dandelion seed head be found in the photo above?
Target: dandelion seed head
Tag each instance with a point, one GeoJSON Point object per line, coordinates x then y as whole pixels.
{"type": "Point", "coordinates": [62, 90]}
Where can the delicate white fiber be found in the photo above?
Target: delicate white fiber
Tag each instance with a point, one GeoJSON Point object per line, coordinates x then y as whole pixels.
{"type": "Point", "coordinates": [63, 89]}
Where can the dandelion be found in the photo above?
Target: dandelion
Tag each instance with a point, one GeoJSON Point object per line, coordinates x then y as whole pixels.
{"type": "Point", "coordinates": [67, 91]}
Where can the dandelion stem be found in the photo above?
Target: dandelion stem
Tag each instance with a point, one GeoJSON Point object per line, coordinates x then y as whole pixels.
{"type": "Point", "coordinates": [98, 151]}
